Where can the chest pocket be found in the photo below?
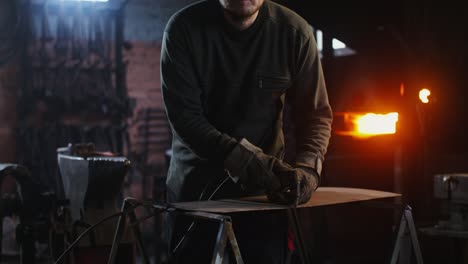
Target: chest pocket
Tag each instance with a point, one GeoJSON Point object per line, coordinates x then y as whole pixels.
{"type": "Point", "coordinates": [272, 86]}
{"type": "Point", "coordinates": [269, 99]}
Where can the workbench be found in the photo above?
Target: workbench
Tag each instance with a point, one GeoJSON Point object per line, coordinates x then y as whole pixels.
{"type": "Point", "coordinates": [218, 211]}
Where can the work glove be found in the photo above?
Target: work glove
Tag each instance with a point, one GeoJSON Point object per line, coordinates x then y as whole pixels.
{"type": "Point", "coordinates": [253, 169]}
{"type": "Point", "coordinates": [298, 185]}
{"type": "Point", "coordinates": [247, 165]}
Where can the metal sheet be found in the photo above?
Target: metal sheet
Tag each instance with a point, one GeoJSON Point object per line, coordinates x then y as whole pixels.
{"type": "Point", "coordinates": [322, 197]}
{"type": "Point", "coordinates": [75, 174]}
{"type": "Point", "coordinates": [105, 178]}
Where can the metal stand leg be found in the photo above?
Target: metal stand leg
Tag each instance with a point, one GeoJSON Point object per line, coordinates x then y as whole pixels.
{"type": "Point", "coordinates": [128, 205]}
{"type": "Point", "coordinates": [296, 228]}
{"type": "Point", "coordinates": [137, 233]}
{"type": "Point", "coordinates": [118, 234]}
{"type": "Point", "coordinates": [233, 241]}
{"type": "Point", "coordinates": [226, 232]}
{"type": "Point", "coordinates": [221, 241]}
{"type": "Point", "coordinates": [406, 222]}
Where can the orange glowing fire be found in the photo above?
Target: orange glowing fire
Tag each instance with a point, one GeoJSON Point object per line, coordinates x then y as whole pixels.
{"type": "Point", "coordinates": [424, 95]}
{"type": "Point", "coordinates": [368, 124]}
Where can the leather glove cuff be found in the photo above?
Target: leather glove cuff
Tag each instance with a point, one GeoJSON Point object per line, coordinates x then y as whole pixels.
{"type": "Point", "coordinates": [309, 161]}
{"type": "Point", "coordinates": [236, 162]}
{"type": "Point", "coordinates": [312, 172]}
{"type": "Point", "coordinates": [239, 158]}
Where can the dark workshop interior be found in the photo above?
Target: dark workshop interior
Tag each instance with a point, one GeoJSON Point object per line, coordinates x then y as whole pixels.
{"type": "Point", "coordinates": [83, 127]}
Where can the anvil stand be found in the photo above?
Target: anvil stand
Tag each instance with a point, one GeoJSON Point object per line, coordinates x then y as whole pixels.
{"type": "Point", "coordinates": [225, 230]}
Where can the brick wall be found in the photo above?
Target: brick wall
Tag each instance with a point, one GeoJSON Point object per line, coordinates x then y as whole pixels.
{"type": "Point", "coordinates": [144, 85]}
{"type": "Point", "coordinates": [144, 25]}
{"type": "Point", "coordinates": [145, 19]}
{"type": "Point", "coordinates": [143, 79]}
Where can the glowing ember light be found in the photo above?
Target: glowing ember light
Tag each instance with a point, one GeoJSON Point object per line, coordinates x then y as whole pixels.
{"type": "Point", "coordinates": [377, 124]}
{"type": "Point", "coordinates": [424, 95]}
{"type": "Point", "coordinates": [364, 125]}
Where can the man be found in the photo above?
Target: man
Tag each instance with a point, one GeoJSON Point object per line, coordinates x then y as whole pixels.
{"type": "Point", "coordinates": [228, 69]}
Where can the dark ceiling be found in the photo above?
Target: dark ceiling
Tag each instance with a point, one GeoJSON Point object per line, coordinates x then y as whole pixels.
{"type": "Point", "coordinates": [412, 22]}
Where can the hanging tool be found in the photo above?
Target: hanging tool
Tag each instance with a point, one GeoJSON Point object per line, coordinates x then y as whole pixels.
{"type": "Point", "coordinates": [108, 33]}
{"type": "Point", "coordinates": [78, 37]}
{"type": "Point", "coordinates": [99, 45]}
{"type": "Point", "coordinates": [63, 34]}
{"type": "Point", "coordinates": [46, 37]}
{"type": "Point", "coordinates": [91, 37]}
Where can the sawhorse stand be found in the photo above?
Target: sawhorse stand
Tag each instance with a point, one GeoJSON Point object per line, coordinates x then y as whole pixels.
{"type": "Point", "coordinates": [406, 224]}
{"type": "Point", "coordinates": [217, 209]}
{"type": "Point", "coordinates": [225, 231]}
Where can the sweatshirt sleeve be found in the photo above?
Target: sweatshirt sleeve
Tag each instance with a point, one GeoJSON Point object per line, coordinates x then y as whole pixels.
{"type": "Point", "coordinates": [182, 100]}
{"type": "Point", "coordinates": [311, 111]}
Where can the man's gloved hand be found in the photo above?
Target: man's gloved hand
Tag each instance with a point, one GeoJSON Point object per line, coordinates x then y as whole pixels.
{"type": "Point", "coordinates": [253, 169]}
{"type": "Point", "coordinates": [250, 167]}
{"type": "Point", "coordinates": [302, 183]}
{"type": "Point", "coordinates": [308, 180]}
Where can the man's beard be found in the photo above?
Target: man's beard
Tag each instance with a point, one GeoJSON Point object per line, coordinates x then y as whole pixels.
{"type": "Point", "coordinates": [240, 15]}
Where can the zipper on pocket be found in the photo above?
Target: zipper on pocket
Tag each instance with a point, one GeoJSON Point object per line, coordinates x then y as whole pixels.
{"type": "Point", "coordinates": [273, 83]}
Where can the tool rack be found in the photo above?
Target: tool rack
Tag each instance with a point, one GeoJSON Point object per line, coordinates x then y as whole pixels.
{"type": "Point", "coordinates": [73, 88]}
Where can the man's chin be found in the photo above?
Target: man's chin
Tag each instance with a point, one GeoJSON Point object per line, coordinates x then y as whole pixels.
{"type": "Point", "coordinates": [240, 14]}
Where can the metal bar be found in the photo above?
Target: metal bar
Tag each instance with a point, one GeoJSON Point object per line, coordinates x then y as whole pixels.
{"type": "Point", "coordinates": [221, 240]}
{"type": "Point", "coordinates": [414, 237]}
{"type": "Point", "coordinates": [294, 220]}
{"type": "Point", "coordinates": [232, 239]}
{"type": "Point", "coordinates": [118, 233]}
{"type": "Point", "coordinates": [407, 222]}
{"type": "Point", "coordinates": [206, 216]}
{"type": "Point", "coordinates": [401, 232]}
{"type": "Point", "coordinates": [382, 204]}
{"type": "Point", "coordinates": [129, 204]}
{"type": "Point", "coordinates": [138, 237]}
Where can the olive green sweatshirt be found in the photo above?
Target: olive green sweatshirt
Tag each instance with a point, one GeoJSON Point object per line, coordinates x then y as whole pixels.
{"type": "Point", "coordinates": [220, 84]}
